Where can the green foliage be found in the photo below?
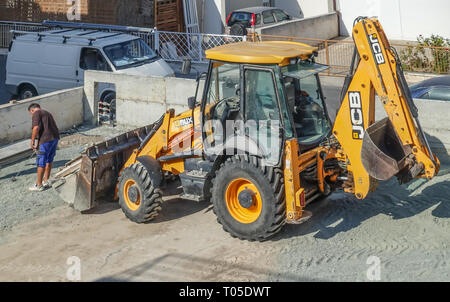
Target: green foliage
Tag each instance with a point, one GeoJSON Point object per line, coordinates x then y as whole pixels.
{"type": "Point", "coordinates": [429, 55]}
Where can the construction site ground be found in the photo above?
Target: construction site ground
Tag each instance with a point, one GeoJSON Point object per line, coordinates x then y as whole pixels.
{"type": "Point", "coordinates": [406, 227]}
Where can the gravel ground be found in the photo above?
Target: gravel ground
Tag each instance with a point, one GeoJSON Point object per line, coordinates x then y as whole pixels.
{"type": "Point", "coordinates": [404, 227]}
{"type": "Point", "coordinates": [17, 204]}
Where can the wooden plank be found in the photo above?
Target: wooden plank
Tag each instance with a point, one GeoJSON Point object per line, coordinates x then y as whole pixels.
{"type": "Point", "coordinates": [169, 15]}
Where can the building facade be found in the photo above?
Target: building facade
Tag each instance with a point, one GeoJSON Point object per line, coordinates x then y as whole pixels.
{"type": "Point", "coordinates": [120, 12]}
{"type": "Point", "coordinates": [401, 19]}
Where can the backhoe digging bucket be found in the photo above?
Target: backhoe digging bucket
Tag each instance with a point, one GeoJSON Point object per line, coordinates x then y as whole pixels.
{"type": "Point", "coordinates": [94, 174]}
{"type": "Point", "coordinates": [382, 153]}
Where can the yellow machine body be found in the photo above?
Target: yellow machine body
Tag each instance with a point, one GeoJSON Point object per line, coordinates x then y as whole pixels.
{"type": "Point", "coordinates": [358, 151]}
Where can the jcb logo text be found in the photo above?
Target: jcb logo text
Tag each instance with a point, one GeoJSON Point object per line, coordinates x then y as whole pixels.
{"type": "Point", "coordinates": [356, 115]}
{"type": "Point", "coordinates": [377, 49]}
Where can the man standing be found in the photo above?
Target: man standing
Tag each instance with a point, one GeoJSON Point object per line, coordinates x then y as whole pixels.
{"type": "Point", "coordinates": [45, 131]}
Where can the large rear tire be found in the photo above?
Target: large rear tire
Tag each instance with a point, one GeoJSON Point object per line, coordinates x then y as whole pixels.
{"type": "Point", "coordinates": [249, 199]}
{"type": "Point", "coordinates": [138, 198]}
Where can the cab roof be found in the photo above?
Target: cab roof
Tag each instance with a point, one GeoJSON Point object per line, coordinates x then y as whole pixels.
{"type": "Point", "coordinates": [267, 52]}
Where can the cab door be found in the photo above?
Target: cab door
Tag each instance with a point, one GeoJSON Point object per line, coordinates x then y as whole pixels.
{"type": "Point", "coordinates": [262, 113]}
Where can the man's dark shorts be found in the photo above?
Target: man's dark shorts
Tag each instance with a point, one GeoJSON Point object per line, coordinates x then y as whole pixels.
{"type": "Point", "coordinates": [47, 153]}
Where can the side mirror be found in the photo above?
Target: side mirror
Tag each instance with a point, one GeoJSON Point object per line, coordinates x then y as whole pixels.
{"type": "Point", "coordinates": [191, 102]}
{"type": "Point", "coordinates": [186, 67]}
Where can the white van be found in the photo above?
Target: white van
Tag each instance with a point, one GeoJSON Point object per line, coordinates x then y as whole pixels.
{"type": "Point", "coordinates": [44, 62]}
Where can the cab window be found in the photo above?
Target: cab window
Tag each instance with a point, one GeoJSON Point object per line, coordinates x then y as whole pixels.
{"type": "Point", "coordinates": [305, 101]}
{"type": "Point", "coordinates": [262, 114]}
{"type": "Point", "coordinates": [260, 96]}
{"type": "Point", "coordinates": [222, 100]}
{"type": "Point", "coordinates": [309, 115]}
{"type": "Point", "coordinates": [92, 59]}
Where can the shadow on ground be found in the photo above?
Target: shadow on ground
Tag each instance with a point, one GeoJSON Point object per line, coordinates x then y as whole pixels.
{"type": "Point", "coordinates": [32, 169]}
{"type": "Point", "coordinates": [341, 212]}
{"type": "Point", "coordinates": [176, 266]}
{"type": "Point", "coordinates": [173, 207]}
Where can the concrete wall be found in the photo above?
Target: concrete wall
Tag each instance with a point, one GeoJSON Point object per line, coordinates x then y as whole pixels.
{"type": "Point", "coordinates": [66, 106]}
{"type": "Point", "coordinates": [401, 19]}
{"type": "Point", "coordinates": [142, 100]}
{"type": "Point", "coordinates": [212, 17]}
{"type": "Point", "coordinates": [305, 8]}
{"type": "Point", "coordinates": [139, 100]}
{"type": "Point", "coordinates": [216, 11]}
{"type": "Point", "coordinates": [415, 77]}
{"type": "Point", "coordinates": [319, 27]}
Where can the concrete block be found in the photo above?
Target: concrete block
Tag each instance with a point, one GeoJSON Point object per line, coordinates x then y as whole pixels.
{"type": "Point", "coordinates": [138, 113]}
{"type": "Point", "coordinates": [178, 108]}
{"type": "Point", "coordinates": [139, 88]}
{"type": "Point", "coordinates": [179, 90]}
{"type": "Point", "coordinates": [66, 107]}
{"type": "Point", "coordinates": [15, 152]}
{"type": "Point", "coordinates": [319, 27]}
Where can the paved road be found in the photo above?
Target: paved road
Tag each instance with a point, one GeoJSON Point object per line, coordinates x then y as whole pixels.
{"type": "Point", "coordinates": [4, 95]}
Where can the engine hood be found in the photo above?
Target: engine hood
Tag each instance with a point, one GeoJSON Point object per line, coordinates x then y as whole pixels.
{"type": "Point", "coordinates": [156, 68]}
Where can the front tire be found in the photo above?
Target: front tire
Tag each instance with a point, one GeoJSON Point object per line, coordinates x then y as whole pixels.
{"type": "Point", "coordinates": [249, 199]}
{"type": "Point", "coordinates": [138, 198]}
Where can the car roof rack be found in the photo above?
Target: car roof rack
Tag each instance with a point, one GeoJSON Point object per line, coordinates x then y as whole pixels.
{"type": "Point", "coordinates": [65, 34]}
{"type": "Point", "coordinates": [100, 27]}
{"type": "Point", "coordinates": [65, 29]}
{"type": "Point", "coordinates": [62, 35]}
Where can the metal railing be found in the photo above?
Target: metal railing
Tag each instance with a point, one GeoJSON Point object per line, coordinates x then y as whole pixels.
{"type": "Point", "coordinates": [335, 53]}
{"type": "Point", "coordinates": [178, 46]}
{"type": "Point", "coordinates": [6, 27]}
{"type": "Point", "coordinates": [175, 46]}
{"type": "Point", "coordinates": [427, 59]}
{"type": "Point", "coordinates": [172, 46]}
{"type": "Point", "coordinates": [338, 54]}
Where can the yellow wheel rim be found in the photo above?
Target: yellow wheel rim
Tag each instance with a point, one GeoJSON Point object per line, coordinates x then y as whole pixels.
{"type": "Point", "coordinates": [243, 201]}
{"type": "Point", "coordinates": [132, 195]}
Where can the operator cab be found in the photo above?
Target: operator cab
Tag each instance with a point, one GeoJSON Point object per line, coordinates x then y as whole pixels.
{"type": "Point", "coordinates": [266, 92]}
{"type": "Point", "coordinates": [306, 102]}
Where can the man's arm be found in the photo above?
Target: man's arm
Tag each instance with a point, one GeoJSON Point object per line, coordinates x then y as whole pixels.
{"type": "Point", "coordinates": [34, 135]}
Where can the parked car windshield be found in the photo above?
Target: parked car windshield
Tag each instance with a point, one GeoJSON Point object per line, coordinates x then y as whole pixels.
{"type": "Point", "coordinates": [129, 54]}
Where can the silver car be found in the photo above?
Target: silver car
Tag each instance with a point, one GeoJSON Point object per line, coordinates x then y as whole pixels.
{"type": "Point", "coordinates": [243, 21]}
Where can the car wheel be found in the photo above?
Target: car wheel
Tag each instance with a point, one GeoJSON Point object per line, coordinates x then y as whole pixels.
{"type": "Point", "coordinates": [238, 30]}
{"type": "Point", "coordinates": [27, 91]}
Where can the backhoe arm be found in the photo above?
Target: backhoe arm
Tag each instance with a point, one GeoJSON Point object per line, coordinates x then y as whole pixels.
{"type": "Point", "coordinates": [393, 146]}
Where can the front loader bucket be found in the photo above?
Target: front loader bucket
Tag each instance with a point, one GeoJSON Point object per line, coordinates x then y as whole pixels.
{"type": "Point", "coordinates": [382, 153]}
{"type": "Point", "coordinates": [94, 174]}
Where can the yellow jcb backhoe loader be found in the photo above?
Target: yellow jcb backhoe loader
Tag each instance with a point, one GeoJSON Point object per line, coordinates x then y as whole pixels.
{"type": "Point", "coordinates": [259, 145]}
